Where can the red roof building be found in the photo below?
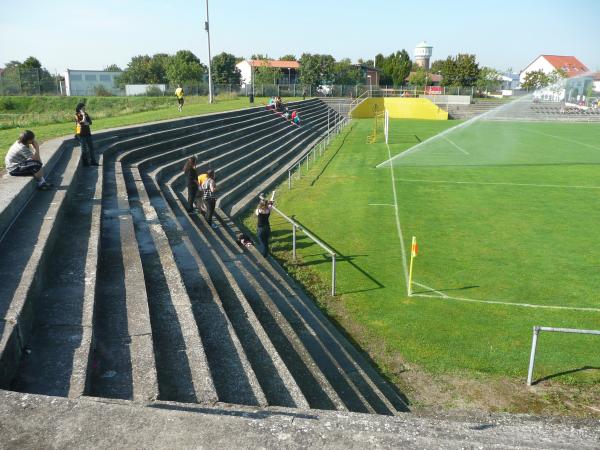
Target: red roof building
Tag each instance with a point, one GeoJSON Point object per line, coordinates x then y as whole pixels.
{"type": "Point", "coordinates": [550, 63]}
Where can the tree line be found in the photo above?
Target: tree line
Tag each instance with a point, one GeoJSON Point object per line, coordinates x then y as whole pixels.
{"type": "Point", "coordinates": [395, 69]}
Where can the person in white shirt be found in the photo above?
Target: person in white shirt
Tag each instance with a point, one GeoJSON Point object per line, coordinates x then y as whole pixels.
{"type": "Point", "coordinates": [23, 160]}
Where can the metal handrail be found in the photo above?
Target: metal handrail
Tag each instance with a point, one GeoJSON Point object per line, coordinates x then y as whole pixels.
{"type": "Point", "coordinates": [336, 129]}
{"type": "Point", "coordinates": [296, 226]}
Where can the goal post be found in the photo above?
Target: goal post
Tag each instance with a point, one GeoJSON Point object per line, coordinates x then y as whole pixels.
{"type": "Point", "coordinates": [386, 125]}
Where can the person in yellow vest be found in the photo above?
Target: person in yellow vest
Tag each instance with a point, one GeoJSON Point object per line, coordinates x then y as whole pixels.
{"type": "Point", "coordinates": [201, 179]}
{"type": "Point", "coordinates": [179, 95]}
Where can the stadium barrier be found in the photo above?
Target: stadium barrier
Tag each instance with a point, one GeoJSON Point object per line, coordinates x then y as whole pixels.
{"type": "Point", "coordinates": [317, 149]}
{"type": "Point", "coordinates": [536, 331]}
{"type": "Point", "coordinates": [297, 227]}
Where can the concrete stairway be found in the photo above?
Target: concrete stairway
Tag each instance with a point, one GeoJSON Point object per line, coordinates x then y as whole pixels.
{"type": "Point", "coordinates": [115, 291]}
{"type": "Point", "coordinates": [472, 110]}
{"type": "Point", "coordinates": [341, 105]}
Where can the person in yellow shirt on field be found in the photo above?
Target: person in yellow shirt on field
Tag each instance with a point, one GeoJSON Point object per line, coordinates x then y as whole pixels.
{"type": "Point", "coordinates": [179, 95]}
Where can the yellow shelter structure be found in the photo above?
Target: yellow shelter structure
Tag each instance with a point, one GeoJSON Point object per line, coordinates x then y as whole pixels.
{"type": "Point", "coordinates": [400, 108]}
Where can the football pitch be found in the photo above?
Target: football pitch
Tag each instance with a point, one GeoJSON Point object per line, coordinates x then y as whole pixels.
{"type": "Point", "coordinates": [507, 216]}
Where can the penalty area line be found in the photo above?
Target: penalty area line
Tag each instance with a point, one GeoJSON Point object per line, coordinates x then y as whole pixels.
{"type": "Point", "coordinates": [456, 146]}
{"type": "Point", "coordinates": [502, 303]}
{"type": "Point", "coordinates": [563, 186]}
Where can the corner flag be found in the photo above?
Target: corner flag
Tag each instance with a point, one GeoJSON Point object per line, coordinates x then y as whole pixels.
{"type": "Point", "coordinates": [414, 251]}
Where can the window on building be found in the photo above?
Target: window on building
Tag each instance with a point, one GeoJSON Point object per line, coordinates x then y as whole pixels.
{"type": "Point", "coordinates": [107, 78]}
{"type": "Point", "coordinates": [76, 78]}
{"type": "Point", "coordinates": [89, 77]}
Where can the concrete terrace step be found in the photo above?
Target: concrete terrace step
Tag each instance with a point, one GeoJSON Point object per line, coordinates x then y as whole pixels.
{"type": "Point", "coordinates": [34, 421]}
{"type": "Point", "coordinates": [234, 378]}
{"type": "Point", "coordinates": [182, 369]}
{"type": "Point", "coordinates": [272, 374]}
{"type": "Point", "coordinates": [58, 355]}
{"type": "Point", "coordinates": [333, 357]}
{"type": "Point", "coordinates": [26, 250]}
{"type": "Point", "coordinates": [124, 364]}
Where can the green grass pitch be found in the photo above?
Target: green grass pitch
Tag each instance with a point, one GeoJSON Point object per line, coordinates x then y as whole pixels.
{"type": "Point", "coordinates": [507, 217]}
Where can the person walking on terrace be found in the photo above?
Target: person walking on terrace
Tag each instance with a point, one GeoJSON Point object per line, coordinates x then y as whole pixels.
{"type": "Point", "coordinates": [83, 133]}
{"type": "Point", "coordinates": [23, 160]}
{"type": "Point", "coordinates": [210, 197]}
{"type": "Point", "coordinates": [180, 100]}
{"type": "Point", "coordinates": [191, 176]}
{"type": "Point", "coordinates": [263, 227]}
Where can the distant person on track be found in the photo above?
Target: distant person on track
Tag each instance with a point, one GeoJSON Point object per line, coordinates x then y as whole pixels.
{"type": "Point", "coordinates": [278, 104]}
{"type": "Point", "coordinates": [271, 104]}
{"type": "Point", "coordinates": [83, 133]}
{"type": "Point", "coordinates": [263, 227]}
{"type": "Point", "coordinates": [23, 160]}
{"type": "Point", "coordinates": [210, 197]}
{"type": "Point", "coordinates": [180, 100]}
{"type": "Point", "coordinates": [304, 94]}
{"type": "Point", "coordinates": [251, 98]}
{"type": "Point", "coordinates": [191, 176]}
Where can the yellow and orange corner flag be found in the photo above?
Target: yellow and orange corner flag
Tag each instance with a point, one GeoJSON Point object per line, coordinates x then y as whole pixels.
{"type": "Point", "coordinates": [414, 251]}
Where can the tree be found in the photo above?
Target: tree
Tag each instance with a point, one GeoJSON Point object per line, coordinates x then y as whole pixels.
{"type": "Point", "coordinates": [394, 68]}
{"type": "Point", "coordinates": [557, 75]}
{"type": "Point", "coordinates": [316, 69]}
{"type": "Point", "coordinates": [419, 78]}
{"type": "Point", "coordinates": [288, 58]}
{"type": "Point", "coordinates": [461, 70]}
{"type": "Point", "coordinates": [368, 62]}
{"type": "Point", "coordinates": [113, 68]}
{"type": "Point", "coordinates": [347, 73]}
{"type": "Point", "coordinates": [137, 71]}
{"type": "Point", "coordinates": [31, 63]}
{"type": "Point", "coordinates": [436, 66]}
{"type": "Point", "coordinates": [489, 79]}
{"type": "Point", "coordinates": [184, 67]}
{"type": "Point", "coordinates": [224, 70]}
{"type": "Point", "coordinates": [260, 57]}
{"type": "Point", "coordinates": [535, 79]}
{"type": "Point", "coordinates": [265, 74]}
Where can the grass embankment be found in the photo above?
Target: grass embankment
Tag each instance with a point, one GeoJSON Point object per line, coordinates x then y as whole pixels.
{"type": "Point", "coordinates": [107, 112]}
{"type": "Point", "coordinates": [501, 215]}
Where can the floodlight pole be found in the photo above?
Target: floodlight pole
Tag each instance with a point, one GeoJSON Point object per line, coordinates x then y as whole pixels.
{"type": "Point", "coordinates": [207, 28]}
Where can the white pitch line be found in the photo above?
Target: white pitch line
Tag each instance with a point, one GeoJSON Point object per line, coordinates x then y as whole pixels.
{"type": "Point", "coordinates": [573, 141]}
{"type": "Point", "coordinates": [564, 186]}
{"type": "Point", "coordinates": [497, 302]}
{"type": "Point", "coordinates": [381, 204]}
{"type": "Point", "coordinates": [457, 146]}
{"type": "Point", "coordinates": [397, 214]}
{"type": "Point", "coordinates": [431, 289]}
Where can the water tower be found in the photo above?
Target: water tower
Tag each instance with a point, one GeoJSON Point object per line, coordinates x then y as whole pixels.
{"type": "Point", "coordinates": [423, 55]}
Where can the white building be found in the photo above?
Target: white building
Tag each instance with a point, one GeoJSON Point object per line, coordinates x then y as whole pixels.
{"type": "Point", "coordinates": [289, 70]}
{"type": "Point", "coordinates": [87, 82]}
{"type": "Point", "coordinates": [550, 63]}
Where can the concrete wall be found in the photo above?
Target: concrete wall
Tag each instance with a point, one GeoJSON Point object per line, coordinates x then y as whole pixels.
{"type": "Point", "coordinates": [450, 99]}
{"type": "Point", "coordinates": [400, 108]}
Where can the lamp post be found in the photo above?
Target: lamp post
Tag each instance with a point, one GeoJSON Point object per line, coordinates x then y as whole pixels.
{"type": "Point", "coordinates": [207, 28]}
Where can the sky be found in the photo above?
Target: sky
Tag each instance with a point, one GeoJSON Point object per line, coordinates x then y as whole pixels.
{"type": "Point", "coordinates": [94, 34]}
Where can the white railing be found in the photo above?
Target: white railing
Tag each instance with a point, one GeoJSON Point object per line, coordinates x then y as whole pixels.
{"type": "Point", "coordinates": [317, 148]}
{"type": "Point", "coordinates": [297, 227]}
{"type": "Point", "coordinates": [536, 332]}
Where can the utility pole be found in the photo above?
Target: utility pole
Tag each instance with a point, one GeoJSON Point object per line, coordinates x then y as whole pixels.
{"type": "Point", "coordinates": [207, 28]}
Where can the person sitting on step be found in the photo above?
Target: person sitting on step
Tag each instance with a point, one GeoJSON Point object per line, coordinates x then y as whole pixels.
{"type": "Point", "coordinates": [295, 117]}
{"type": "Point", "coordinates": [23, 160]}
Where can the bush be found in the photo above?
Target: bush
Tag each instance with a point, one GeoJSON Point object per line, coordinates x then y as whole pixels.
{"type": "Point", "coordinates": [154, 91]}
{"type": "Point", "coordinates": [101, 91]}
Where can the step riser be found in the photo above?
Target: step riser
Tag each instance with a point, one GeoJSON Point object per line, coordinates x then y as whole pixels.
{"type": "Point", "coordinates": [20, 314]}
